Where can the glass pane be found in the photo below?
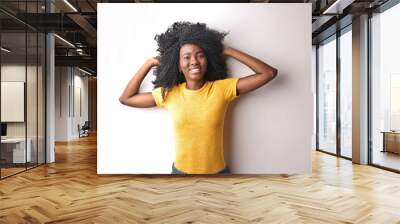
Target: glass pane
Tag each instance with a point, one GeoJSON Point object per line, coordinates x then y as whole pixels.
{"type": "Point", "coordinates": [23, 89]}
{"type": "Point", "coordinates": [346, 93]}
{"type": "Point", "coordinates": [327, 97]}
{"type": "Point", "coordinates": [31, 101]}
{"type": "Point", "coordinates": [41, 98]}
{"type": "Point", "coordinates": [14, 152]}
{"type": "Point", "coordinates": [386, 89]}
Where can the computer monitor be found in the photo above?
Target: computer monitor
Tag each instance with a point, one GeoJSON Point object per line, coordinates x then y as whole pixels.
{"type": "Point", "coordinates": [3, 129]}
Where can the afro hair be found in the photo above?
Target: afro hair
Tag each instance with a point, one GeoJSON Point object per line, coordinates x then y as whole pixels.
{"type": "Point", "coordinates": [170, 43]}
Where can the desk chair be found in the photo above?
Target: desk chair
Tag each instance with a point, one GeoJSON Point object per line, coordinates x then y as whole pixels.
{"type": "Point", "coordinates": [84, 130]}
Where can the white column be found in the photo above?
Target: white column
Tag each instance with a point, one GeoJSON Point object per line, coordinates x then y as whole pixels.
{"type": "Point", "coordinates": [50, 100]}
{"type": "Point", "coordinates": [50, 93]}
{"type": "Point", "coordinates": [360, 90]}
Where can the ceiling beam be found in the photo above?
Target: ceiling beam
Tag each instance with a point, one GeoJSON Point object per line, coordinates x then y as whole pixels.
{"type": "Point", "coordinates": [85, 61]}
{"type": "Point", "coordinates": [85, 25]}
{"type": "Point", "coordinates": [337, 7]}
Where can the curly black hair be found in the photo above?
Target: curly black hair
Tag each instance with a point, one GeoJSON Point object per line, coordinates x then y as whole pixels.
{"type": "Point", "coordinates": [170, 43]}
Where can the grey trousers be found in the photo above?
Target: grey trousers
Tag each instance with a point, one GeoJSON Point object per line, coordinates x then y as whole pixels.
{"type": "Point", "coordinates": [176, 171]}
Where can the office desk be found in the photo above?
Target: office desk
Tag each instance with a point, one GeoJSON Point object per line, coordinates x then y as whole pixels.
{"type": "Point", "coordinates": [13, 150]}
{"type": "Point", "coordinates": [391, 141]}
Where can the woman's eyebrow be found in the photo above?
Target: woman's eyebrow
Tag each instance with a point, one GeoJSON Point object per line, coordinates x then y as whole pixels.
{"type": "Point", "coordinates": [197, 52]}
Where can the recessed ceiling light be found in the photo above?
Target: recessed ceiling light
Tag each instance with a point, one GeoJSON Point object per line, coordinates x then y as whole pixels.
{"type": "Point", "coordinates": [84, 71]}
{"type": "Point", "coordinates": [5, 50]}
{"type": "Point", "coordinates": [337, 7]}
{"type": "Point", "coordinates": [64, 40]}
{"type": "Point", "coordinates": [70, 5]}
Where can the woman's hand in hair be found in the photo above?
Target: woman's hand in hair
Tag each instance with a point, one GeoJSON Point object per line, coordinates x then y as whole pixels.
{"type": "Point", "coordinates": [227, 50]}
{"type": "Point", "coordinates": [154, 61]}
{"type": "Point", "coordinates": [131, 96]}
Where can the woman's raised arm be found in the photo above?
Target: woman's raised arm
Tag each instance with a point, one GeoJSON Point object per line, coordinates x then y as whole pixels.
{"type": "Point", "coordinates": [263, 72]}
{"type": "Point", "coordinates": [131, 96]}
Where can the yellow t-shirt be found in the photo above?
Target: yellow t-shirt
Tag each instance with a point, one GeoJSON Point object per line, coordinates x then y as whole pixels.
{"type": "Point", "coordinates": [198, 119]}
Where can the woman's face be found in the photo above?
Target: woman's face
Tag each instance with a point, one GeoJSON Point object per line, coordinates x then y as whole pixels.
{"type": "Point", "coordinates": [192, 62]}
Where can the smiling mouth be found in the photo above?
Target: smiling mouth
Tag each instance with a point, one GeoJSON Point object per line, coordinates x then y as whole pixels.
{"type": "Point", "coordinates": [194, 70]}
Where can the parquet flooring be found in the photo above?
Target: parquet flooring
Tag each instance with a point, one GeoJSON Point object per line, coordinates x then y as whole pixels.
{"type": "Point", "coordinates": [10, 171]}
{"type": "Point", "coordinates": [70, 191]}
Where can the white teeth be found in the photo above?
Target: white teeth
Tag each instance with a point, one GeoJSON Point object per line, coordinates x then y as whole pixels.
{"type": "Point", "coordinates": [195, 70]}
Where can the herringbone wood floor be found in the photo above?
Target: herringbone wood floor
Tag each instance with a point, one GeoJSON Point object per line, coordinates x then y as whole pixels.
{"type": "Point", "coordinates": [70, 191]}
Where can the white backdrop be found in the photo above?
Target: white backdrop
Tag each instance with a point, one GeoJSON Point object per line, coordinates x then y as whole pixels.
{"type": "Point", "coordinates": [267, 131]}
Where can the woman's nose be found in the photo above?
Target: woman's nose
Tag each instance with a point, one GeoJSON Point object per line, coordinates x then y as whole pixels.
{"type": "Point", "coordinates": [194, 61]}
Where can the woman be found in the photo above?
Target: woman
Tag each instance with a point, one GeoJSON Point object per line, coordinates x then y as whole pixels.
{"type": "Point", "coordinates": [191, 82]}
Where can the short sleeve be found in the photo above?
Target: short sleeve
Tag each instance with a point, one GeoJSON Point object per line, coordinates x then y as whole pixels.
{"type": "Point", "coordinates": [229, 87]}
{"type": "Point", "coordinates": [157, 95]}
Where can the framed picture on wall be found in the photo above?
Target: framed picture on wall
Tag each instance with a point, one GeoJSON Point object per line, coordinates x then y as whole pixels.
{"type": "Point", "coordinates": [12, 101]}
{"type": "Point", "coordinates": [137, 140]}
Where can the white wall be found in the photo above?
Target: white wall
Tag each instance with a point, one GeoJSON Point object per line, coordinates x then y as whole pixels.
{"type": "Point", "coordinates": [61, 103]}
{"type": "Point", "coordinates": [268, 131]}
{"type": "Point", "coordinates": [68, 83]}
{"type": "Point", "coordinates": [82, 83]}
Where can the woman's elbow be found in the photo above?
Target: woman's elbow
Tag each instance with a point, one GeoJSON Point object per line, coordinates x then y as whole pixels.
{"type": "Point", "coordinates": [122, 100]}
{"type": "Point", "coordinates": [270, 74]}
{"type": "Point", "coordinates": [274, 73]}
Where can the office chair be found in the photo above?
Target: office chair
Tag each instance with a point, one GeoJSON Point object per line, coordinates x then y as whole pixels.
{"type": "Point", "coordinates": [84, 130]}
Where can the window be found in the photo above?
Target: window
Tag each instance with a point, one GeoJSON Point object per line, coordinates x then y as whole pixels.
{"type": "Point", "coordinates": [346, 93]}
{"type": "Point", "coordinates": [385, 88]}
{"type": "Point", "coordinates": [327, 96]}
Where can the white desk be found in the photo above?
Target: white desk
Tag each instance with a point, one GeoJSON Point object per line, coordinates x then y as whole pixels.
{"type": "Point", "coordinates": [18, 150]}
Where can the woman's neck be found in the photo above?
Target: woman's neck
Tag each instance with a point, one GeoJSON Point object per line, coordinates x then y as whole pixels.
{"type": "Point", "coordinates": [194, 84]}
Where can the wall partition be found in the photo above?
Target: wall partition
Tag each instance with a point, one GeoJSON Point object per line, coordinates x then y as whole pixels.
{"type": "Point", "coordinates": [13, 90]}
{"type": "Point", "coordinates": [22, 87]}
